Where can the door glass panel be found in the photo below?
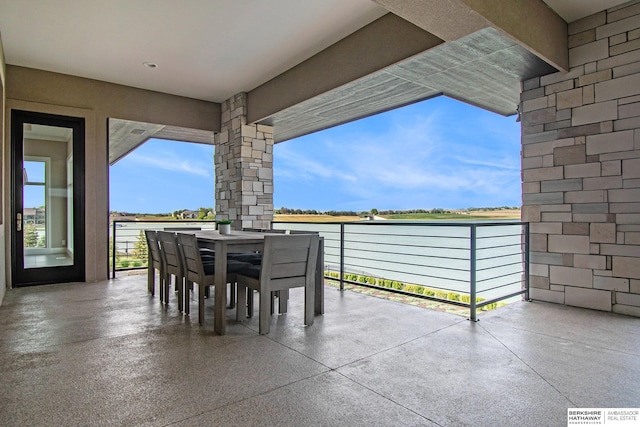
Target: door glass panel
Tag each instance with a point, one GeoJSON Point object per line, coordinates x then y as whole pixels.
{"type": "Point", "coordinates": [47, 196]}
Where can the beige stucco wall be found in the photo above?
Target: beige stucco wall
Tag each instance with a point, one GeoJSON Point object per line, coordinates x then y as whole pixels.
{"type": "Point", "coordinates": [3, 274]}
{"type": "Point", "coordinates": [95, 101]}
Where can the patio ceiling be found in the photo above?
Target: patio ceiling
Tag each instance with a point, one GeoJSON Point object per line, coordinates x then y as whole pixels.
{"type": "Point", "coordinates": [484, 69]}
{"type": "Point", "coordinates": [211, 50]}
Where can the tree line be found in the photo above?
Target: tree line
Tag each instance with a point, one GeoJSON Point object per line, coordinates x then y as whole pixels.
{"type": "Point", "coordinates": [203, 213]}
{"type": "Point", "coordinates": [374, 211]}
{"type": "Point", "coordinates": [207, 213]}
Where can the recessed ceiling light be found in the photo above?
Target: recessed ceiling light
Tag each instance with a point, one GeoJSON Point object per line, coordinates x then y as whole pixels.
{"type": "Point", "coordinates": [150, 64]}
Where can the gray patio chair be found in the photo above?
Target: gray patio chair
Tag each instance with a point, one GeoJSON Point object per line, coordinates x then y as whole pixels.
{"type": "Point", "coordinates": [288, 261]}
{"type": "Point", "coordinates": [283, 295]}
{"type": "Point", "coordinates": [172, 266]}
{"type": "Point", "coordinates": [256, 259]}
{"type": "Point", "coordinates": [202, 273]}
{"type": "Point", "coordinates": [155, 262]}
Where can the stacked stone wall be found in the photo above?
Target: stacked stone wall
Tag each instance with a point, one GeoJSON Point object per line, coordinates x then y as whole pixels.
{"type": "Point", "coordinates": [244, 168]}
{"type": "Point", "coordinates": [581, 167]}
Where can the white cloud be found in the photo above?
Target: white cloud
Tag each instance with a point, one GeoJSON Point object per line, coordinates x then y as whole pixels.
{"type": "Point", "coordinates": [422, 159]}
{"type": "Point", "coordinates": [503, 163]}
{"type": "Point", "coordinates": [170, 162]}
{"type": "Point", "coordinates": [296, 165]}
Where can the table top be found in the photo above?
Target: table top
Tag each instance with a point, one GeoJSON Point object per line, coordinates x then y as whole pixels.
{"type": "Point", "coordinates": [235, 235]}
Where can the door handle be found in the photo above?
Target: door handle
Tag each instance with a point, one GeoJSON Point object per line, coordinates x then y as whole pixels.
{"type": "Point", "coordinates": [19, 221]}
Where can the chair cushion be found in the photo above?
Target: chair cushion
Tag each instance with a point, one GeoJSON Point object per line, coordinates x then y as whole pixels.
{"type": "Point", "coordinates": [232, 266]}
{"type": "Point", "coordinates": [207, 258]}
{"type": "Point", "coordinates": [251, 271]}
{"type": "Point", "coordinates": [250, 257]}
{"type": "Point", "coordinates": [235, 266]}
{"type": "Point", "coordinates": [209, 268]}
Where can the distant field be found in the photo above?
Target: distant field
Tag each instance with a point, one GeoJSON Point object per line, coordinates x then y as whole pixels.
{"type": "Point", "coordinates": [475, 215]}
{"type": "Point", "coordinates": [314, 218]}
{"type": "Point", "coordinates": [156, 218]}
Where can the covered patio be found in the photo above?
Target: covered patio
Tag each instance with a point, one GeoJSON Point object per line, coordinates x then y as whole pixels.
{"type": "Point", "coordinates": [567, 70]}
{"type": "Point", "coordinates": [108, 353]}
{"type": "Point", "coordinates": [104, 352]}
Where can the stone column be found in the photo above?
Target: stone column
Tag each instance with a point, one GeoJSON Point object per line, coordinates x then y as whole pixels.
{"type": "Point", "coordinates": [244, 168]}
{"type": "Point", "coordinates": [581, 168]}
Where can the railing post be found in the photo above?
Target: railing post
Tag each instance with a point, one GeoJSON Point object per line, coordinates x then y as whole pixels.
{"type": "Point", "coordinates": [113, 251]}
{"type": "Point", "coordinates": [342, 256]}
{"type": "Point", "coordinates": [526, 262]}
{"type": "Point", "coordinates": [472, 275]}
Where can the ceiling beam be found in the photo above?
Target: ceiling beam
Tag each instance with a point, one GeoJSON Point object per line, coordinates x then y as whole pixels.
{"type": "Point", "coordinates": [448, 20]}
{"type": "Point", "coordinates": [111, 100]}
{"type": "Point", "coordinates": [384, 42]}
{"type": "Point", "coordinates": [530, 23]}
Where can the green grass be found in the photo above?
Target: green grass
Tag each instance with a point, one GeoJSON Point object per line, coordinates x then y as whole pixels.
{"type": "Point", "coordinates": [444, 216]}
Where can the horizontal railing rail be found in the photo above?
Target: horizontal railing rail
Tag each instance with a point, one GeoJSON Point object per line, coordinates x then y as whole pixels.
{"type": "Point", "coordinates": [128, 246]}
{"type": "Point", "coordinates": [468, 264]}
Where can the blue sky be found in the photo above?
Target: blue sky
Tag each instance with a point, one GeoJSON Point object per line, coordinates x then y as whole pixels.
{"type": "Point", "coordinates": [438, 153]}
{"type": "Point", "coordinates": [163, 176]}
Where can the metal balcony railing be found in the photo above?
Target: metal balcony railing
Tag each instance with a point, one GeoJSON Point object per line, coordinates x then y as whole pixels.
{"type": "Point", "coordinates": [467, 264]}
{"type": "Point", "coordinates": [128, 246]}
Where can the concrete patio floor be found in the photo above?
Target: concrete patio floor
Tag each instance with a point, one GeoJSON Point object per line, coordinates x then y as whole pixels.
{"type": "Point", "coordinates": [109, 354]}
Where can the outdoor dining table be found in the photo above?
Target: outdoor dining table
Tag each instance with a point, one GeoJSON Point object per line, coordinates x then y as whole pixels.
{"type": "Point", "coordinates": [246, 241]}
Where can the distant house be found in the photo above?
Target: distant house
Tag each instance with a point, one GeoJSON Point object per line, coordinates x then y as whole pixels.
{"type": "Point", "coordinates": [189, 215]}
{"type": "Point", "coordinates": [34, 215]}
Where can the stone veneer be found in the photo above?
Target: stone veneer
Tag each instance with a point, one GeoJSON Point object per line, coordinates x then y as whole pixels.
{"type": "Point", "coordinates": [581, 167]}
{"type": "Point", "coordinates": [244, 168]}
